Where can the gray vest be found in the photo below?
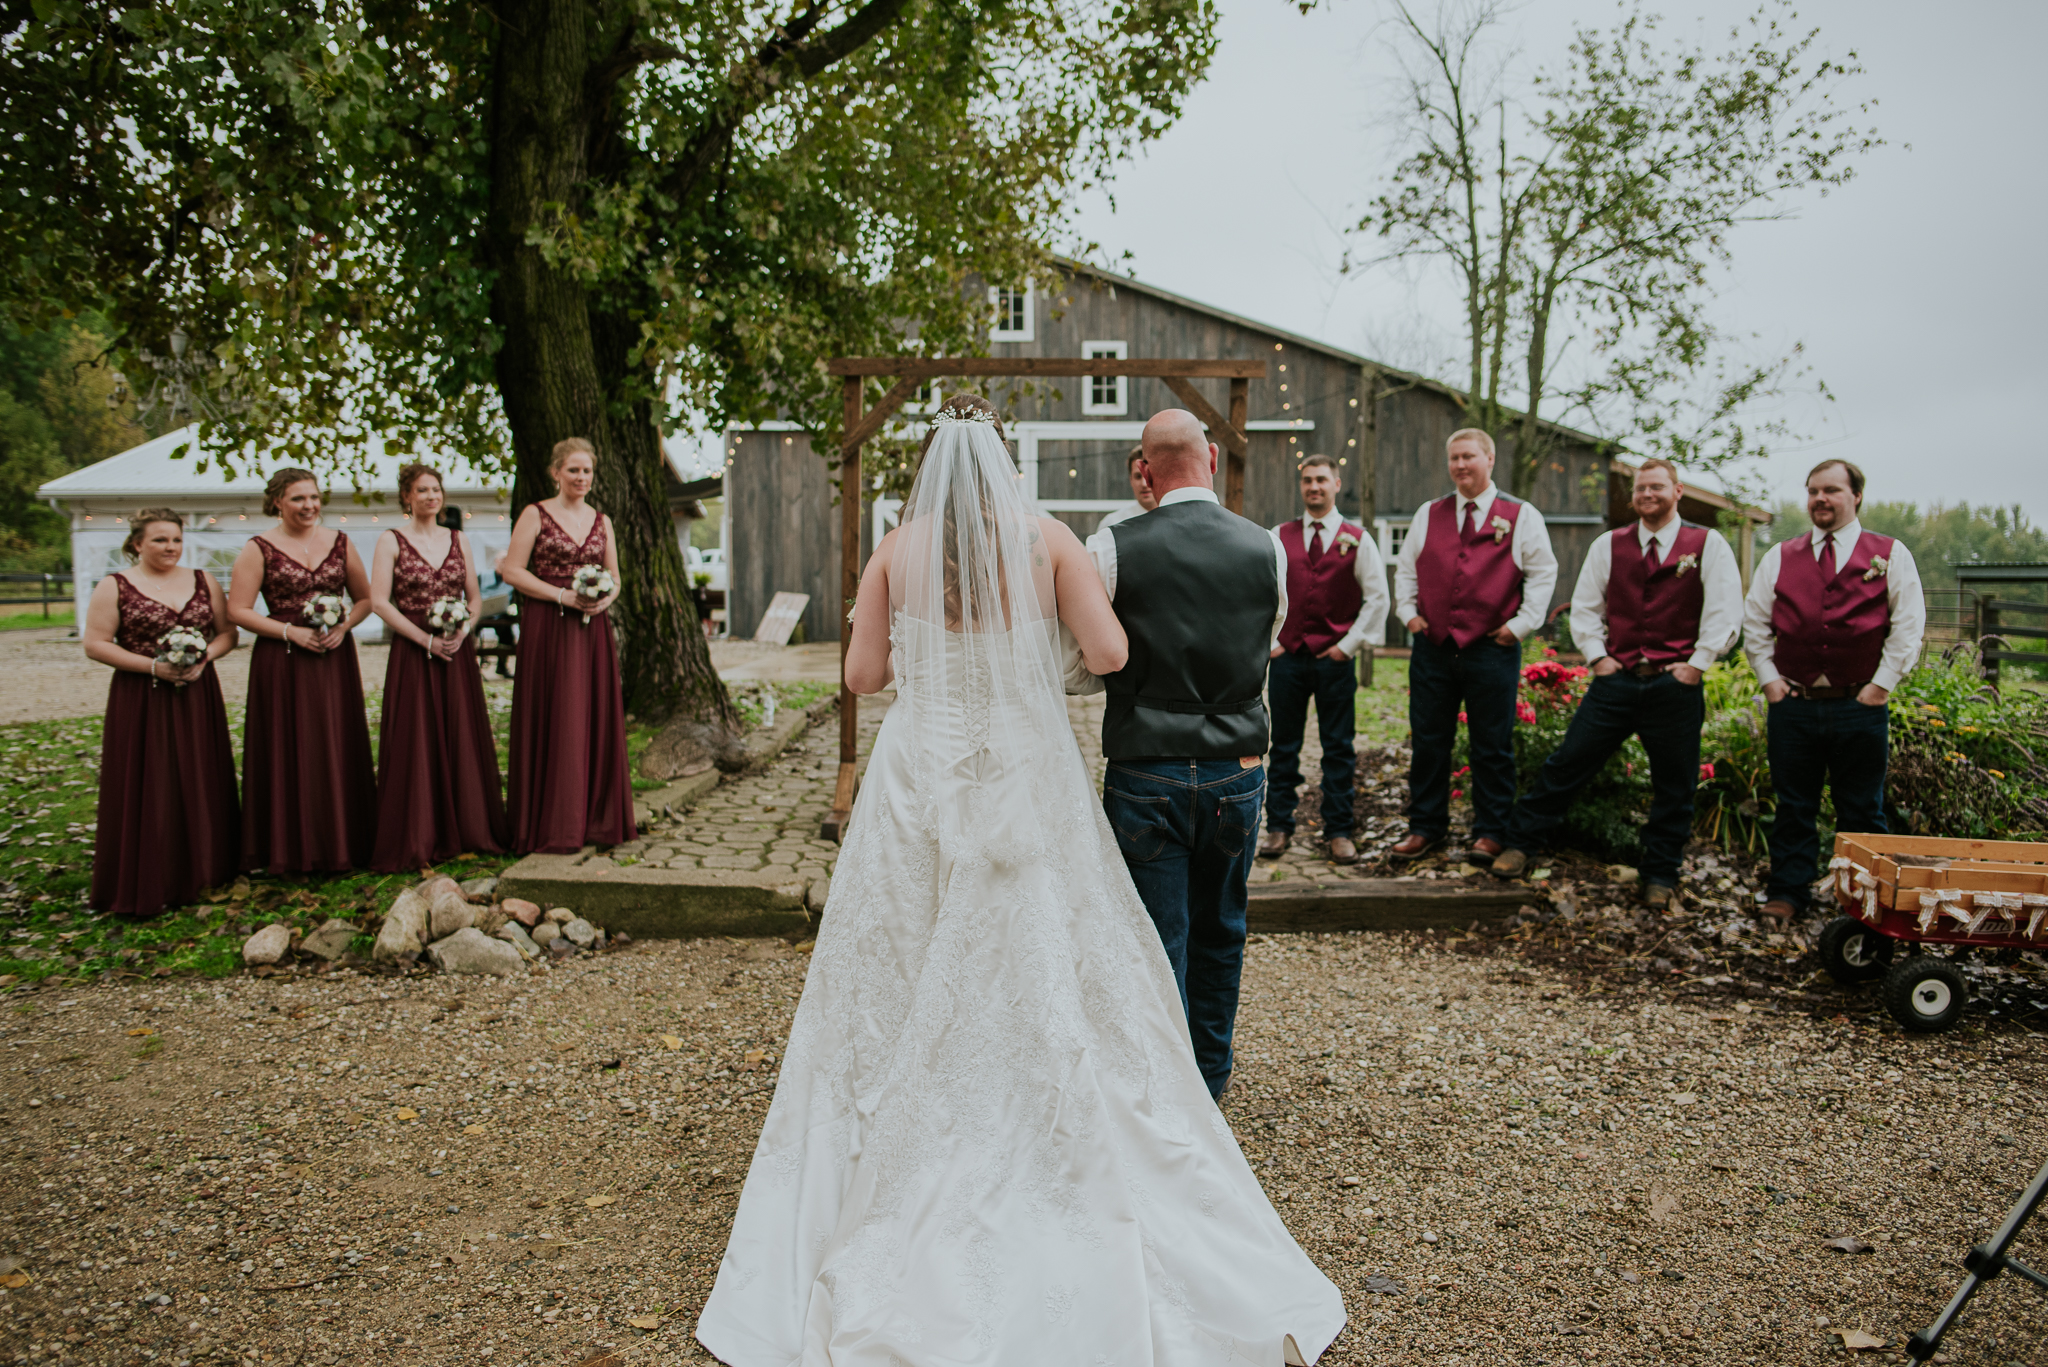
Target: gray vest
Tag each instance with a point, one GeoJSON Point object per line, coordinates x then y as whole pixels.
{"type": "Point", "coordinates": [1196, 590]}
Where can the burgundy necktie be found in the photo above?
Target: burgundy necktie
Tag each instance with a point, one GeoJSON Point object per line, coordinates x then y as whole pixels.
{"type": "Point", "coordinates": [1827, 556]}
{"type": "Point", "coordinates": [1315, 542]}
{"type": "Point", "coordinates": [1471, 521]}
{"type": "Point", "coordinates": [1651, 559]}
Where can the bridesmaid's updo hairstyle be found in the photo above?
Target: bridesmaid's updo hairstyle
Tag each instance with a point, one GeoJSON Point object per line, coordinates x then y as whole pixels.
{"type": "Point", "coordinates": [411, 475]}
{"type": "Point", "coordinates": [281, 481]}
{"type": "Point", "coordinates": [566, 448]}
{"type": "Point", "coordinates": [138, 527]}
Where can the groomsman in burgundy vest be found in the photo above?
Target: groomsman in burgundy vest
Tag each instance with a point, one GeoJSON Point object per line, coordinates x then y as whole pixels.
{"type": "Point", "coordinates": [1336, 606]}
{"type": "Point", "coordinates": [1657, 602]}
{"type": "Point", "coordinates": [1832, 623]}
{"type": "Point", "coordinates": [1473, 580]}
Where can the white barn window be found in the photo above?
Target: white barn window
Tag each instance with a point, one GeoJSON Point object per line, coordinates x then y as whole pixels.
{"type": "Point", "coordinates": [1108, 395]}
{"type": "Point", "coordinates": [1013, 307]}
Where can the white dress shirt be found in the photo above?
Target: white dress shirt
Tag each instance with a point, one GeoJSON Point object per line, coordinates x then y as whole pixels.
{"type": "Point", "coordinates": [1102, 546]}
{"type": "Point", "coordinates": [1531, 549]}
{"type": "Point", "coordinates": [1902, 595]}
{"type": "Point", "coordinates": [1123, 514]}
{"type": "Point", "coordinates": [1371, 627]}
{"type": "Point", "coordinates": [1720, 581]}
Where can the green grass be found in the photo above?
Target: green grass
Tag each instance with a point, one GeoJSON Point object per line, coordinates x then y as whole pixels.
{"type": "Point", "coordinates": [1382, 710]}
{"type": "Point", "coordinates": [49, 802]}
{"type": "Point", "coordinates": [33, 620]}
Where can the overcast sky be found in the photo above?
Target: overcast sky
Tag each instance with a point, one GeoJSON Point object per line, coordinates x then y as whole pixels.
{"type": "Point", "coordinates": [1918, 290]}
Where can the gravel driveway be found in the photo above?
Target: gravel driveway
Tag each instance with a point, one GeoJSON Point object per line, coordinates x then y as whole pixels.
{"type": "Point", "coordinates": [49, 678]}
{"type": "Point", "coordinates": [1492, 1168]}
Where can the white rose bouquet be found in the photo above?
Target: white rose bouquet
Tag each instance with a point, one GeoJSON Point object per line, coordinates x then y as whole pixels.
{"type": "Point", "coordinates": [591, 581]}
{"type": "Point", "coordinates": [180, 648]}
{"type": "Point", "coordinates": [324, 611]}
{"type": "Point", "coordinates": [447, 616]}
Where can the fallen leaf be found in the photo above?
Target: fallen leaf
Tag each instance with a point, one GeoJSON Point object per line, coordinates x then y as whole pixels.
{"type": "Point", "coordinates": [142, 1030]}
{"type": "Point", "coordinates": [1382, 1286]}
{"type": "Point", "coordinates": [1855, 1340]}
{"type": "Point", "coordinates": [645, 1321]}
{"type": "Point", "coordinates": [674, 1042]}
{"type": "Point", "coordinates": [405, 1113]}
{"type": "Point", "coordinates": [595, 1201]}
{"type": "Point", "coordinates": [354, 1117]}
{"type": "Point", "coordinates": [754, 1056]}
{"type": "Point", "coordinates": [14, 1281]}
{"type": "Point", "coordinates": [1849, 1244]}
{"type": "Point", "coordinates": [1663, 1207]}
{"type": "Point", "coordinates": [806, 947]}
{"type": "Point", "coordinates": [474, 1129]}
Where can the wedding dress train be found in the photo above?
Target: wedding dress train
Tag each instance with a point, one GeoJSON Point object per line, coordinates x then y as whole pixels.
{"type": "Point", "coordinates": [990, 1143]}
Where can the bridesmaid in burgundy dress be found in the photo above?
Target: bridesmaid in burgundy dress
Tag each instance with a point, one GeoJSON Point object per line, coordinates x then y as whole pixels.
{"type": "Point", "coordinates": [169, 825]}
{"type": "Point", "coordinates": [309, 790]}
{"type": "Point", "coordinates": [570, 783]}
{"type": "Point", "coordinates": [437, 779]}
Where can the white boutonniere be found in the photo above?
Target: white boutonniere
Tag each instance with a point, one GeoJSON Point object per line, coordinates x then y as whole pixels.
{"type": "Point", "coordinates": [1879, 568]}
{"type": "Point", "coordinates": [1346, 543]}
{"type": "Point", "coordinates": [1687, 562]}
{"type": "Point", "coordinates": [1501, 527]}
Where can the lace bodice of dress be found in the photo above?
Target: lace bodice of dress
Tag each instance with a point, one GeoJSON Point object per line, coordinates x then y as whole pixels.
{"type": "Point", "coordinates": [287, 584]}
{"type": "Point", "coordinates": [144, 621]}
{"type": "Point", "coordinates": [416, 585]}
{"type": "Point", "coordinates": [557, 555]}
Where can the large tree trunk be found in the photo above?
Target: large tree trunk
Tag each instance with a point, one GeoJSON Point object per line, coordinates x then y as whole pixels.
{"type": "Point", "coordinates": [561, 370]}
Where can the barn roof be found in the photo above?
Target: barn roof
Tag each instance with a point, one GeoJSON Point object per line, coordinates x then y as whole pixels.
{"type": "Point", "coordinates": [156, 470]}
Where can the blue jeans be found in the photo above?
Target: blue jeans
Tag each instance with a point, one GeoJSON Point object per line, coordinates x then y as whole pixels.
{"type": "Point", "coordinates": [1187, 829]}
{"type": "Point", "coordinates": [1839, 743]}
{"type": "Point", "coordinates": [1481, 680]}
{"type": "Point", "coordinates": [1291, 680]}
{"type": "Point", "coordinates": [1667, 716]}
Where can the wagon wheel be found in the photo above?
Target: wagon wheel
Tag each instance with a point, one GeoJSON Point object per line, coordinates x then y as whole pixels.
{"type": "Point", "coordinates": [1852, 952]}
{"type": "Point", "coordinates": [1925, 994]}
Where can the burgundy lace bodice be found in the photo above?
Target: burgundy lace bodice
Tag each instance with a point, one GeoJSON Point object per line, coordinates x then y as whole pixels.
{"type": "Point", "coordinates": [556, 556]}
{"type": "Point", "coordinates": [287, 584]}
{"type": "Point", "coordinates": [416, 584]}
{"type": "Point", "coordinates": [144, 620]}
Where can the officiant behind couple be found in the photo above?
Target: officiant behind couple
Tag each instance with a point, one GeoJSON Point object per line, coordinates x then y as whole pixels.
{"type": "Point", "coordinates": [995, 1137]}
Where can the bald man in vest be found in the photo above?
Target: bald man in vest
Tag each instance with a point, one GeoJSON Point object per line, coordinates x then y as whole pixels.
{"type": "Point", "coordinates": [1201, 593]}
{"type": "Point", "coordinates": [1474, 578]}
{"type": "Point", "coordinates": [1832, 623]}
{"type": "Point", "coordinates": [1657, 603]}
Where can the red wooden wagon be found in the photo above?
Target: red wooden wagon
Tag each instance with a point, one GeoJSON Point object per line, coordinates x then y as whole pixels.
{"type": "Point", "coordinates": [1920, 890]}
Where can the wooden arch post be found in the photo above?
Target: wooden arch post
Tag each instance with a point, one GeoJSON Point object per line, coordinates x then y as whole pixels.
{"type": "Point", "coordinates": [912, 372]}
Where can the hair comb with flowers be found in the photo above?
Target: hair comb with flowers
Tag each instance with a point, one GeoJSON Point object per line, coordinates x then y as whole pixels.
{"type": "Point", "coordinates": [962, 419]}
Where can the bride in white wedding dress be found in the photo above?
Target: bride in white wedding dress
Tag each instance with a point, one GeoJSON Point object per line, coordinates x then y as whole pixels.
{"type": "Point", "coordinates": [990, 1143]}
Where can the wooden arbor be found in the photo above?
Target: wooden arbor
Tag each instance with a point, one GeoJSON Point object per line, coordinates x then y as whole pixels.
{"type": "Point", "coordinates": [912, 373]}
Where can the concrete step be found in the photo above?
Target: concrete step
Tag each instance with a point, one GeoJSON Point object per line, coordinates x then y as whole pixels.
{"type": "Point", "coordinates": [662, 904]}
{"type": "Point", "coordinates": [1379, 904]}
{"type": "Point", "coordinates": [653, 903]}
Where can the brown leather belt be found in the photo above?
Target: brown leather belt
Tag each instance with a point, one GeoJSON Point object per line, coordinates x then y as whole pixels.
{"type": "Point", "coordinates": [1644, 670]}
{"type": "Point", "coordinates": [1829, 694]}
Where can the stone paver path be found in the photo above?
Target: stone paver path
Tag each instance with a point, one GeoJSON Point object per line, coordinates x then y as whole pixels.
{"type": "Point", "coordinates": [767, 820]}
{"type": "Point", "coordinates": [771, 818]}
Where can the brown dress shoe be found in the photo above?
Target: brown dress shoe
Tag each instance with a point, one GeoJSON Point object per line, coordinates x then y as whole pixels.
{"type": "Point", "coordinates": [1342, 851]}
{"type": "Point", "coordinates": [1777, 910]}
{"type": "Point", "coordinates": [1484, 851]}
{"type": "Point", "coordinates": [1413, 846]}
{"type": "Point", "coordinates": [1510, 864]}
{"type": "Point", "coordinates": [1273, 844]}
{"type": "Point", "coordinates": [1657, 896]}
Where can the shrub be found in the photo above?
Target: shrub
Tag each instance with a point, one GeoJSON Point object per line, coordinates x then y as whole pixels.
{"type": "Point", "coordinates": [1968, 759]}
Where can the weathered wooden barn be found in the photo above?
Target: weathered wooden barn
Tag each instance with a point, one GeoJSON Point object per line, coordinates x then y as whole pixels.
{"type": "Point", "coordinates": [1072, 439]}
